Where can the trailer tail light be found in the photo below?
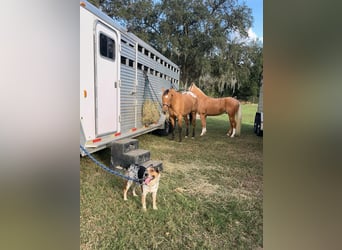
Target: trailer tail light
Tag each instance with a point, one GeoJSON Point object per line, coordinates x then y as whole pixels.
{"type": "Point", "coordinates": [97, 140]}
{"type": "Point", "coordinates": [117, 134]}
{"type": "Point", "coordinates": [82, 4]}
{"type": "Point", "coordinates": [85, 94]}
{"type": "Point", "coordinates": [134, 129]}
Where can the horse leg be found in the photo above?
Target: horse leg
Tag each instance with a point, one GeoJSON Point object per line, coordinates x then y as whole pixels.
{"type": "Point", "coordinates": [187, 125]}
{"type": "Point", "coordinates": [193, 121]}
{"type": "Point", "coordinates": [231, 131]}
{"type": "Point", "coordinates": [172, 119]}
{"type": "Point", "coordinates": [204, 124]}
{"type": "Point", "coordinates": [180, 128]}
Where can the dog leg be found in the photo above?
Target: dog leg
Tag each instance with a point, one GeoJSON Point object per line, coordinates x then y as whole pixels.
{"type": "Point", "coordinates": [154, 198]}
{"type": "Point", "coordinates": [127, 186]}
{"type": "Point", "coordinates": [134, 194]}
{"type": "Point", "coordinates": [143, 201]}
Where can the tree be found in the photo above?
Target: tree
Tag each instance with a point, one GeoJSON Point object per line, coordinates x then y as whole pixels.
{"type": "Point", "coordinates": [195, 35]}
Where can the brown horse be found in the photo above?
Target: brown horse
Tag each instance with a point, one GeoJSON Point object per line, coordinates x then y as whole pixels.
{"type": "Point", "coordinates": [216, 106]}
{"type": "Point", "coordinates": [179, 105]}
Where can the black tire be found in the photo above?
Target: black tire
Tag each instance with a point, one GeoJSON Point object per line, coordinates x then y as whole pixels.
{"type": "Point", "coordinates": [257, 122]}
{"type": "Point", "coordinates": [257, 125]}
{"type": "Point", "coordinates": [258, 130]}
{"type": "Point", "coordinates": [166, 130]}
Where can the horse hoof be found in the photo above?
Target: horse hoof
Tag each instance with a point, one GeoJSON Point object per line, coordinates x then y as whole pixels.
{"type": "Point", "coordinates": [186, 136]}
{"type": "Point", "coordinates": [193, 138]}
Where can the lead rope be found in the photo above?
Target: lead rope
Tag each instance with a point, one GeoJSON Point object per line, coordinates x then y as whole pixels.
{"type": "Point", "coordinates": [107, 169]}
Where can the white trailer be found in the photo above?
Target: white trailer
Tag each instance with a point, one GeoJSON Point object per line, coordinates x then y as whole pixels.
{"type": "Point", "coordinates": [118, 72]}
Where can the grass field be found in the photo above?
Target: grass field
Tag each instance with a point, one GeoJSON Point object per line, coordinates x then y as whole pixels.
{"type": "Point", "coordinates": [210, 194]}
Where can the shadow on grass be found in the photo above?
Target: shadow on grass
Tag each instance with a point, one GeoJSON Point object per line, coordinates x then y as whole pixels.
{"type": "Point", "coordinates": [103, 156]}
{"type": "Point", "coordinates": [214, 127]}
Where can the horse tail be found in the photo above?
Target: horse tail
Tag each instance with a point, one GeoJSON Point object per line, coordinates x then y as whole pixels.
{"type": "Point", "coordinates": [238, 119]}
{"type": "Point", "coordinates": [190, 117]}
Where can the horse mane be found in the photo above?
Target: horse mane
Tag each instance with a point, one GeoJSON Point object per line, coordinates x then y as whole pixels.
{"type": "Point", "coordinates": [194, 85]}
{"type": "Point", "coordinates": [166, 92]}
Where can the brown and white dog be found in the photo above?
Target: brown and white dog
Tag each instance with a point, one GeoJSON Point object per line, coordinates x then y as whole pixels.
{"type": "Point", "coordinates": [149, 182]}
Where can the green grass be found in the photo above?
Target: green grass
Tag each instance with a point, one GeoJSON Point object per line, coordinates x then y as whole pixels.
{"type": "Point", "coordinates": [210, 194]}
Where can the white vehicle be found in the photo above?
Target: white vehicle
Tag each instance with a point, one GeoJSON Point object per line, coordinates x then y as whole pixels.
{"type": "Point", "coordinates": [259, 115]}
{"type": "Point", "coordinates": [118, 73]}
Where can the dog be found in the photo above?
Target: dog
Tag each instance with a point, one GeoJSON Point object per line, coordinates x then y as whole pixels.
{"type": "Point", "coordinates": [149, 182]}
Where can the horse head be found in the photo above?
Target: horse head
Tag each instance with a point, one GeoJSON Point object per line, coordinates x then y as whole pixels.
{"type": "Point", "coordinates": [166, 99]}
{"type": "Point", "coordinates": [192, 87]}
{"type": "Point", "coordinates": [197, 91]}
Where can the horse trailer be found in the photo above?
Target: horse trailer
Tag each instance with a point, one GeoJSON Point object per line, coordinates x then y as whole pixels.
{"type": "Point", "coordinates": [118, 73]}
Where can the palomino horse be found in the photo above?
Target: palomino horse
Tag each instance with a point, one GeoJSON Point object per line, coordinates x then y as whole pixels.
{"type": "Point", "coordinates": [179, 105]}
{"type": "Point", "coordinates": [216, 106]}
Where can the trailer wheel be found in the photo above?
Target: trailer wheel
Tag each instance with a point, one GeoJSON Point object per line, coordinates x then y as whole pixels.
{"type": "Point", "coordinates": [166, 130]}
{"type": "Point", "coordinates": [259, 132]}
{"type": "Point", "coordinates": [167, 127]}
{"type": "Point", "coordinates": [257, 124]}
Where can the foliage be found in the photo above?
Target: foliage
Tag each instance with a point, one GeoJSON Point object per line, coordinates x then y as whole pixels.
{"type": "Point", "coordinates": [205, 38]}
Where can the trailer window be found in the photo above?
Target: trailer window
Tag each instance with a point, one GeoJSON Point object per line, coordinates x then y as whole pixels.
{"type": "Point", "coordinates": [146, 52]}
{"type": "Point", "coordinates": [131, 63]}
{"type": "Point", "coordinates": [107, 47]}
{"type": "Point", "coordinates": [123, 60]}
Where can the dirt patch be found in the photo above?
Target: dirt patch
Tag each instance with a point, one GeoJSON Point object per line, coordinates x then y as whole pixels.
{"type": "Point", "coordinates": [194, 182]}
{"type": "Point", "coordinates": [199, 187]}
{"type": "Point", "coordinates": [236, 184]}
{"type": "Point", "coordinates": [185, 168]}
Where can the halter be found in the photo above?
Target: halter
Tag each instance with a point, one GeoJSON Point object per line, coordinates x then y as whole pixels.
{"type": "Point", "coordinates": [167, 105]}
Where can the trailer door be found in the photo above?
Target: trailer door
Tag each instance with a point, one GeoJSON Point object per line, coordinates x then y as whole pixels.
{"type": "Point", "coordinates": [106, 79]}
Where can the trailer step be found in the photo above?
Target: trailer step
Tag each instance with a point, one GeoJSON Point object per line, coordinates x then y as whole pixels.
{"type": "Point", "coordinates": [137, 156]}
{"type": "Point", "coordinates": [126, 152]}
{"type": "Point", "coordinates": [157, 164]}
{"type": "Point", "coordinates": [124, 146]}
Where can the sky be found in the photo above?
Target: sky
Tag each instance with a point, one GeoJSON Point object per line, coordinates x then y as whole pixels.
{"type": "Point", "coordinates": [257, 13]}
